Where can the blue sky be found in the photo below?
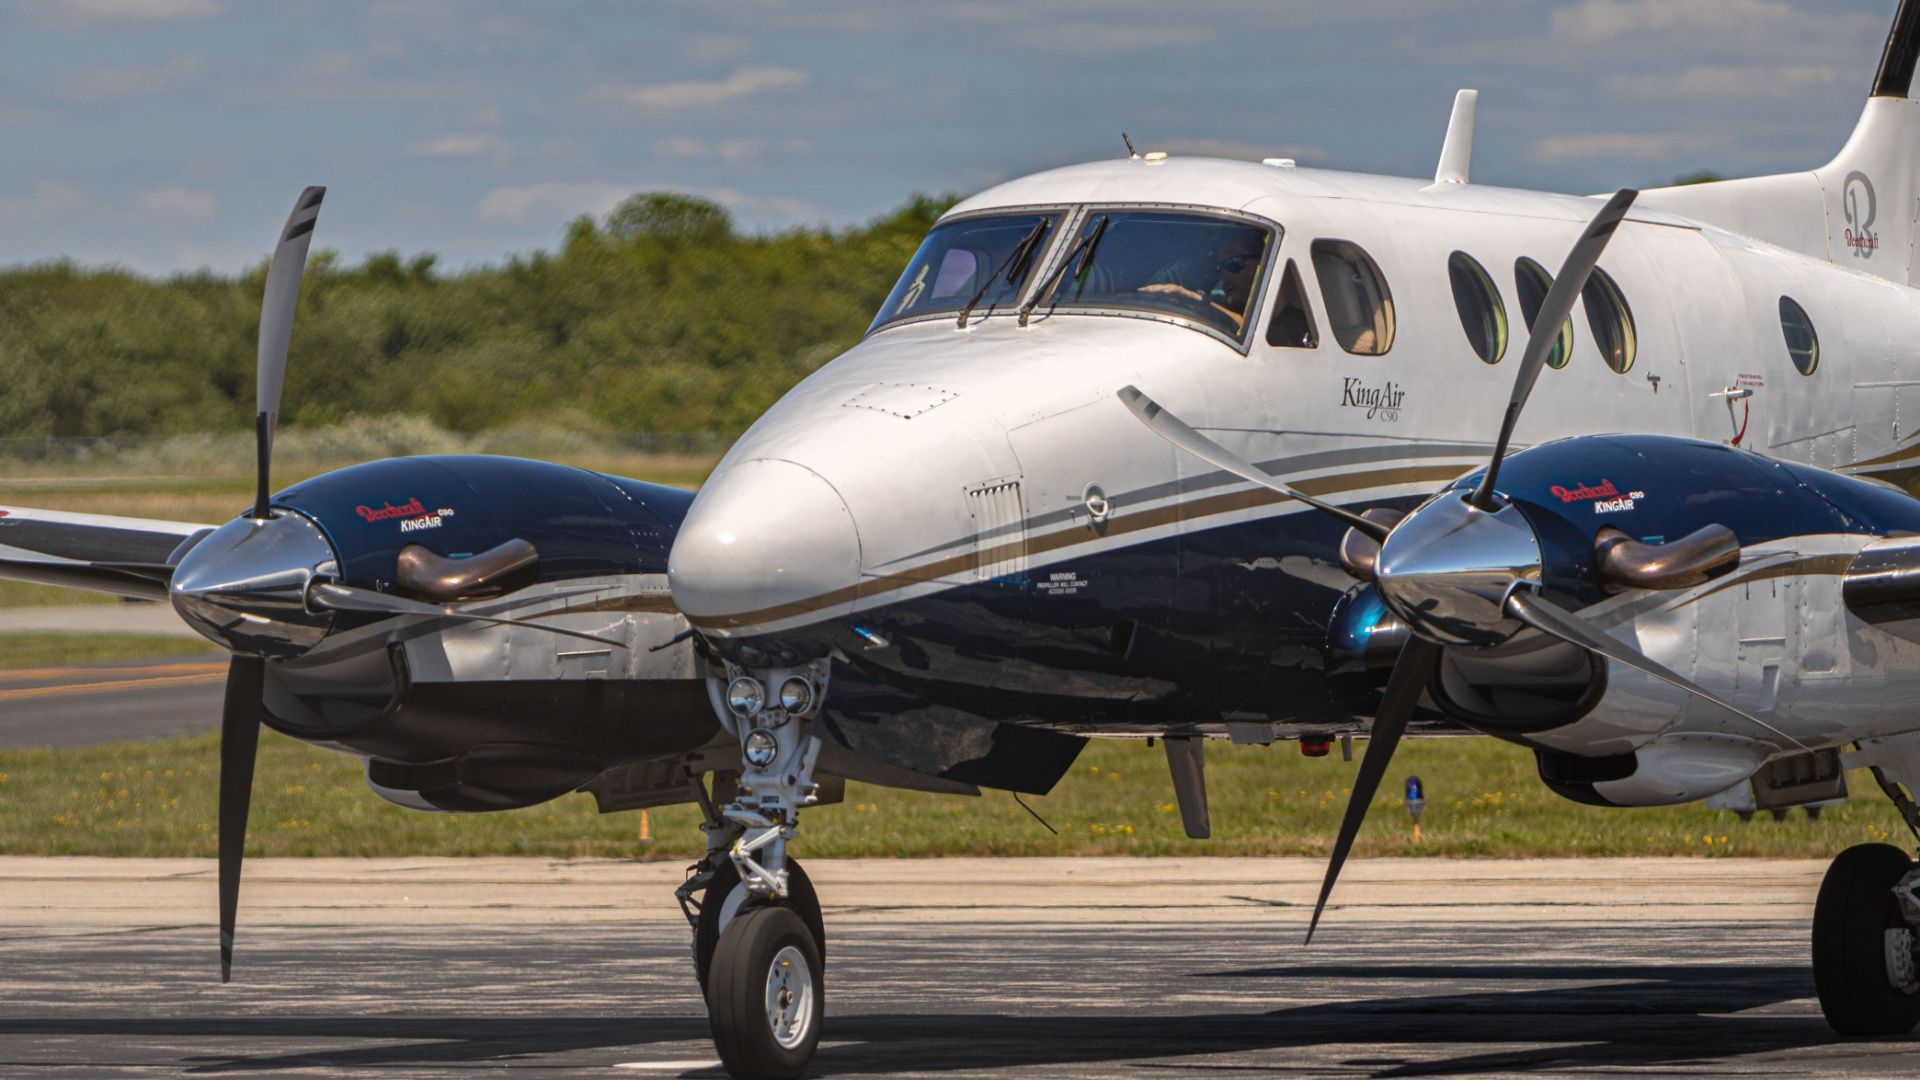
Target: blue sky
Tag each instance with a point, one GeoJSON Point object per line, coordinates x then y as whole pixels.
{"type": "Point", "coordinates": [167, 135]}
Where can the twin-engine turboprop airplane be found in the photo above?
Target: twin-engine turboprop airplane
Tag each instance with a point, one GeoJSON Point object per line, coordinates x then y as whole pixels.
{"type": "Point", "coordinates": [1173, 448]}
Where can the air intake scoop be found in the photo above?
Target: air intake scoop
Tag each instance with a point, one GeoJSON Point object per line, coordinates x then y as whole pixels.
{"type": "Point", "coordinates": [421, 574]}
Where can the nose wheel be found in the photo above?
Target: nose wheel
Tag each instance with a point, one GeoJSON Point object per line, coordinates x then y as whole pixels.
{"type": "Point", "coordinates": [765, 994]}
{"type": "Point", "coordinates": [726, 897]}
{"type": "Point", "coordinates": [1864, 945]}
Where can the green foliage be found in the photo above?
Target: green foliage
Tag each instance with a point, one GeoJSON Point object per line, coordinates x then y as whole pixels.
{"type": "Point", "coordinates": [662, 318]}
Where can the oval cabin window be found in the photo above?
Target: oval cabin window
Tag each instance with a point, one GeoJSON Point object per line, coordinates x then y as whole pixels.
{"type": "Point", "coordinates": [1535, 283]}
{"type": "Point", "coordinates": [1482, 315]}
{"type": "Point", "coordinates": [1803, 345]}
{"type": "Point", "coordinates": [1359, 306]}
{"type": "Point", "coordinates": [1610, 320]}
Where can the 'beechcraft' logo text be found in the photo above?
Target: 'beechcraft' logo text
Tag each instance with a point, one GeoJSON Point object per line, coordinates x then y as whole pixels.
{"type": "Point", "coordinates": [1858, 203]}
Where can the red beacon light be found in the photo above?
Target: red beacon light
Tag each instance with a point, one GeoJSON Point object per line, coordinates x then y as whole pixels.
{"type": "Point", "coordinates": [1315, 746]}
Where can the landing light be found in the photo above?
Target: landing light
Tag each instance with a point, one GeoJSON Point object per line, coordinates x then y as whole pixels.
{"type": "Point", "coordinates": [761, 748]}
{"type": "Point", "coordinates": [745, 696]}
{"type": "Point", "coordinates": [796, 695]}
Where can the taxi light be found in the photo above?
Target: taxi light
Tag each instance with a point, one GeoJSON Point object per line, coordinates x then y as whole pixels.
{"type": "Point", "coordinates": [745, 696]}
{"type": "Point", "coordinates": [761, 748]}
{"type": "Point", "coordinates": [796, 695]}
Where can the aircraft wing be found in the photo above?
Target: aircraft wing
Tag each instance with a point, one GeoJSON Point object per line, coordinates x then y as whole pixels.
{"type": "Point", "coordinates": [119, 555]}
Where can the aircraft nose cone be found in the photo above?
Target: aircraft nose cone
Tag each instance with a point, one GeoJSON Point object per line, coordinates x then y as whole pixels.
{"type": "Point", "coordinates": [767, 541]}
{"type": "Point", "coordinates": [244, 586]}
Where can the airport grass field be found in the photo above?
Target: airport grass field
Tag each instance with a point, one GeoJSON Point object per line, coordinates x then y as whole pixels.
{"type": "Point", "coordinates": [157, 798]}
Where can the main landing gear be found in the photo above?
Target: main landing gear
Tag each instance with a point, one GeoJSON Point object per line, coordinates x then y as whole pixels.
{"type": "Point", "coordinates": [1864, 945]}
{"type": "Point", "coordinates": [759, 943]}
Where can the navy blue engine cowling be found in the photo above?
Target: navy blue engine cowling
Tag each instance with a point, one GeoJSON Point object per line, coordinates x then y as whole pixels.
{"type": "Point", "coordinates": [1657, 488]}
{"type": "Point", "coordinates": [583, 524]}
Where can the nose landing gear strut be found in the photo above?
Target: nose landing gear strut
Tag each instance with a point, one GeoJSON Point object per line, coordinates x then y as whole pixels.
{"type": "Point", "coordinates": [759, 940]}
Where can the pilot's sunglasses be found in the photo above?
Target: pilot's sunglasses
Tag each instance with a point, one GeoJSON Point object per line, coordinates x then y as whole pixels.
{"type": "Point", "coordinates": [1233, 264]}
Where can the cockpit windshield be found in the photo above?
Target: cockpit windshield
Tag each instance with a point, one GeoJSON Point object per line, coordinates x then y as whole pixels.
{"type": "Point", "coordinates": [1198, 267]}
{"type": "Point", "coordinates": [972, 264]}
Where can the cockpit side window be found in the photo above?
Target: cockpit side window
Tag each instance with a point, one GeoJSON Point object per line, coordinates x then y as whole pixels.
{"type": "Point", "coordinates": [1200, 268]}
{"type": "Point", "coordinates": [1359, 304]}
{"type": "Point", "coordinates": [1292, 324]}
{"type": "Point", "coordinates": [982, 263]}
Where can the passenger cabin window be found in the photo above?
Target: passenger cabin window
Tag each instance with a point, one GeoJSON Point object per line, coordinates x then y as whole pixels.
{"type": "Point", "coordinates": [985, 261]}
{"type": "Point", "coordinates": [1535, 283]}
{"type": "Point", "coordinates": [1203, 269]}
{"type": "Point", "coordinates": [1803, 345]}
{"type": "Point", "coordinates": [1482, 315]}
{"type": "Point", "coordinates": [1610, 319]}
{"type": "Point", "coordinates": [1292, 324]}
{"type": "Point", "coordinates": [1359, 306]}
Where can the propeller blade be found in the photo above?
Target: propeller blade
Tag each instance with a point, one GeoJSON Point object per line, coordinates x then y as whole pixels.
{"type": "Point", "coordinates": [327, 594]}
{"type": "Point", "coordinates": [1411, 672]}
{"type": "Point", "coordinates": [1554, 311]}
{"type": "Point", "coordinates": [1552, 619]}
{"type": "Point", "coordinates": [1174, 430]}
{"type": "Point", "coordinates": [276, 332]}
{"type": "Point", "coordinates": [239, 739]}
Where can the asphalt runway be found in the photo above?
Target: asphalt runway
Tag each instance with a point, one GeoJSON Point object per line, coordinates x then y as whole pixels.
{"type": "Point", "coordinates": [1065, 967]}
{"type": "Point", "coordinates": [87, 704]}
{"type": "Point", "coordinates": [946, 999]}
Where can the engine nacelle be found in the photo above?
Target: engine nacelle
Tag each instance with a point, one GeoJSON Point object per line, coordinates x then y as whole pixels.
{"type": "Point", "coordinates": [1670, 770]}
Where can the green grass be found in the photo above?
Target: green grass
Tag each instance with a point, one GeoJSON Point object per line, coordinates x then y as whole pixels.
{"type": "Point", "coordinates": [157, 798]}
{"type": "Point", "coordinates": [33, 650]}
{"type": "Point", "coordinates": [15, 594]}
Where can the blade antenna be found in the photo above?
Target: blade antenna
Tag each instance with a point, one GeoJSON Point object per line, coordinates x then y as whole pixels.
{"type": "Point", "coordinates": [276, 333]}
{"type": "Point", "coordinates": [1411, 672]}
{"type": "Point", "coordinates": [1554, 311]}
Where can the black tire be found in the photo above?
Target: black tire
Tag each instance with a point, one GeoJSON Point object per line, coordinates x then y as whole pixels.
{"type": "Point", "coordinates": [1813, 813]}
{"type": "Point", "coordinates": [1744, 816]}
{"type": "Point", "coordinates": [706, 932]}
{"type": "Point", "coordinates": [762, 945]}
{"type": "Point", "coordinates": [1850, 919]}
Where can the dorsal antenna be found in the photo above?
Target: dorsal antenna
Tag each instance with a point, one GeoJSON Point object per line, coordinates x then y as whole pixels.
{"type": "Point", "coordinates": [1456, 155]}
{"type": "Point", "coordinates": [1131, 153]}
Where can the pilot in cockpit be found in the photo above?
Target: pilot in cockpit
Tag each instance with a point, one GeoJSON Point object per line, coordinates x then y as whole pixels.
{"type": "Point", "coordinates": [1234, 270]}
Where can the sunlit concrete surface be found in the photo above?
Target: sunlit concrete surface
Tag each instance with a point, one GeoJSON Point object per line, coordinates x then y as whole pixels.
{"type": "Point", "coordinates": [958, 967]}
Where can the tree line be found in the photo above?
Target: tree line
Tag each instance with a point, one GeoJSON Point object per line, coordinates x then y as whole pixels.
{"type": "Point", "coordinates": [661, 317]}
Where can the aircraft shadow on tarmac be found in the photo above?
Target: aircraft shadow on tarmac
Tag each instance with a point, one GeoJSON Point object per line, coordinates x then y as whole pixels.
{"type": "Point", "coordinates": [1627, 1016]}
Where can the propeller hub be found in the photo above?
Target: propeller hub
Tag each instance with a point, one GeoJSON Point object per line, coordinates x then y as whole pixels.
{"type": "Point", "coordinates": [245, 585]}
{"type": "Point", "coordinates": [1448, 568]}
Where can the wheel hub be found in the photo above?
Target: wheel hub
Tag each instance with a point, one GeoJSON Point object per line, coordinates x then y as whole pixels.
{"type": "Point", "coordinates": [789, 997]}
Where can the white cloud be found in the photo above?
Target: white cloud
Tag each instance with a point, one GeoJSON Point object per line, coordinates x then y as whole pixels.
{"type": "Point", "coordinates": [562, 199]}
{"type": "Point", "coordinates": [465, 145]}
{"type": "Point", "coordinates": [131, 81]}
{"type": "Point", "coordinates": [177, 202]}
{"type": "Point", "coordinates": [49, 198]}
{"type": "Point", "coordinates": [717, 48]}
{"type": "Point", "coordinates": [1602, 20]}
{"type": "Point", "coordinates": [72, 13]}
{"type": "Point", "coordinates": [570, 199]}
{"type": "Point", "coordinates": [701, 93]}
{"type": "Point", "coordinates": [1773, 81]}
{"type": "Point", "coordinates": [1557, 149]}
{"type": "Point", "coordinates": [729, 151]}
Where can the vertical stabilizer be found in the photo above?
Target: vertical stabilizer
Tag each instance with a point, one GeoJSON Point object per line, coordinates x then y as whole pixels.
{"type": "Point", "coordinates": [1860, 210]}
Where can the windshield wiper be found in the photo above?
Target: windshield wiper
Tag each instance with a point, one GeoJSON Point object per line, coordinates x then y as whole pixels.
{"type": "Point", "coordinates": [1015, 266]}
{"type": "Point", "coordinates": [1080, 258]}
